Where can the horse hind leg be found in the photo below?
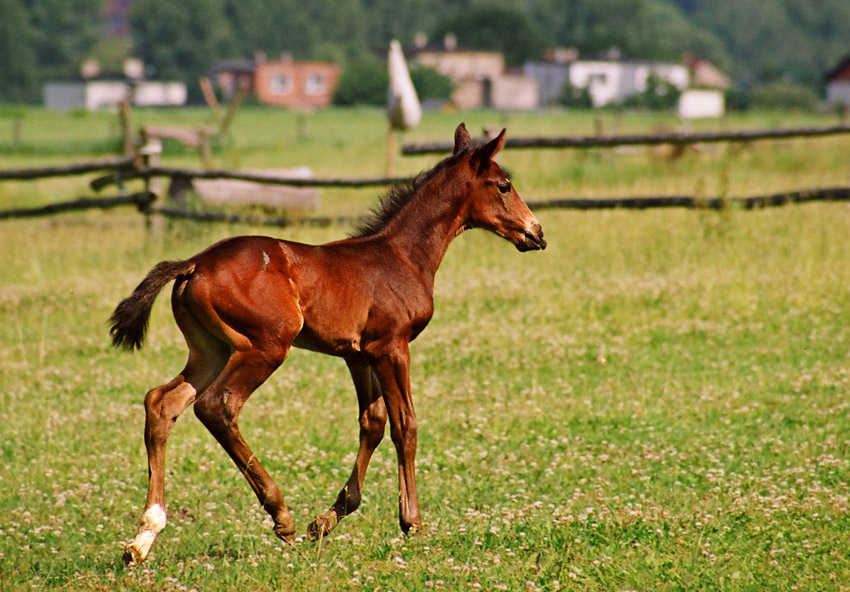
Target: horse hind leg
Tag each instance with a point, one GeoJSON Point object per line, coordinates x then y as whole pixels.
{"type": "Point", "coordinates": [218, 409]}
{"type": "Point", "coordinates": [163, 405]}
{"type": "Point", "coordinates": [373, 419]}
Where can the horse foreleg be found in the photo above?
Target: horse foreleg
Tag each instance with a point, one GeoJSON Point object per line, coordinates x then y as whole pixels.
{"type": "Point", "coordinates": [373, 419]}
{"type": "Point", "coordinates": [218, 409]}
{"type": "Point", "coordinates": [392, 367]}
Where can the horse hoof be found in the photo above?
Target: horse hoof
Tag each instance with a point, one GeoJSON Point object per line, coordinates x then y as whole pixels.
{"type": "Point", "coordinates": [322, 525]}
{"type": "Point", "coordinates": [285, 533]}
{"type": "Point", "coordinates": [132, 556]}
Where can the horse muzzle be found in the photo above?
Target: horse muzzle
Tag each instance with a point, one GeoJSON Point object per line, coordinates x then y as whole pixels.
{"type": "Point", "coordinates": [532, 239]}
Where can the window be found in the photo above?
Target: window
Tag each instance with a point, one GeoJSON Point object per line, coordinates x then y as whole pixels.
{"type": "Point", "coordinates": [281, 84]}
{"type": "Point", "coordinates": [315, 85]}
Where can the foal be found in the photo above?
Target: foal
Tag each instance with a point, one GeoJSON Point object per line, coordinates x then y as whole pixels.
{"type": "Point", "coordinates": [242, 303]}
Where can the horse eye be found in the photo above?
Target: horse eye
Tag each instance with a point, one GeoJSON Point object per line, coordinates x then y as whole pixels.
{"type": "Point", "coordinates": [505, 187]}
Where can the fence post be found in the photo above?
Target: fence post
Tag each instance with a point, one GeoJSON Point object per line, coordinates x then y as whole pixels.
{"type": "Point", "coordinates": [149, 154]}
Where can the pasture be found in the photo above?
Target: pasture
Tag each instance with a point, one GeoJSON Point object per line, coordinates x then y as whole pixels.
{"type": "Point", "coordinates": [658, 401]}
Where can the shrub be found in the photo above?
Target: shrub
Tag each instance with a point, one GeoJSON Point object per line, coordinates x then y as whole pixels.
{"type": "Point", "coordinates": [785, 95]}
{"type": "Point", "coordinates": [362, 83]}
{"type": "Point", "coordinates": [573, 96]}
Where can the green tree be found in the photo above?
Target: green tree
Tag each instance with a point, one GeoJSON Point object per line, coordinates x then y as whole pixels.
{"type": "Point", "coordinates": [63, 33]}
{"type": "Point", "coordinates": [430, 84]}
{"type": "Point", "coordinates": [364, 82]}
{"type": "Point", "coordinates": [181, 40]}
{"type": "Point", "coordinates": [506, 29]}
{"type": "Point", "coordinates": [18, 81]}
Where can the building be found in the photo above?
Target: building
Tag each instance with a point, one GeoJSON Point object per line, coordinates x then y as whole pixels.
{"type": "Point", "coordinates": [838, 84]}
{"type": "Point", "coordinates": [480, 77]}
{"type": "Point", "coordinates": [105, 93]}
{"type": "Point", "coordinates": [706, 95]}
{"type": "Point", "coordinates": [285, 83]}
{"type": "Point", "coordinates": [609, 79]}
{"type": "Point", "coordinates": [95, 90]}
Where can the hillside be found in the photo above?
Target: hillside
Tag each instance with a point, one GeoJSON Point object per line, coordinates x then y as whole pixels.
{"type": "Point", "coordinates": [756, 41]}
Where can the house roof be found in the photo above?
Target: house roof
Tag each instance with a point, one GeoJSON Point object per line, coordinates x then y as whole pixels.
{"type": "Point", "coordinates": [841, 72]}
{"type": "Point", "coordinates": [704, 74]}
{"type": "Point", "coordinates": [234, 66]}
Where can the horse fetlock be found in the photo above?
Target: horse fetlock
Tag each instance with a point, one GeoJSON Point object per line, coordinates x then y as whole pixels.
{"type": "Point", "coordinates": [410, 525]}
{"type": "Point", "coordinates": [285, 532]}
{"type": "Point", "coordinates": [152, 522]}
{"type": "Point", "coordinates": [322, 525]}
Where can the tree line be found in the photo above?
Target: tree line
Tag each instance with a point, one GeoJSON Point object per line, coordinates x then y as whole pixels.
{"type": "Point", "coordinates": [755, 42]}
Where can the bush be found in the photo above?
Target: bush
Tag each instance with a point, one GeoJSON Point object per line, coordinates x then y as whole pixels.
{"type": "Point", "coordinates": [430, 84]}
{"type": "Point", "coordinates": [573, 96]}
{"type": "Point", "coordinates": [362, 83]}
{"type": "Point", "coordinates": [739, 99]}
{"type": "Point", "coordinates": [659, 95]}
{"type": "Point", "coordinates": [785, 95]}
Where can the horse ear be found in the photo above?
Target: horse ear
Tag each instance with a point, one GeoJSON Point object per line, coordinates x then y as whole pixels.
{"type": "Point", "coordinates": [462, 139]}
{"type": "Point", "coordinates": [481, 158]}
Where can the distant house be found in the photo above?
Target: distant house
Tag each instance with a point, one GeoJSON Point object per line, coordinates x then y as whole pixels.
{"type": "Point", "coordinates": [609, 79]}
{"type": "Point", "coordinates": [480, 77]}
{"type": "Point", "coordinates": [285, 83]}
{"type": "Point", "coordinates": [838, 84]}
{"type": "Point", "coordinates": [705, 97]}
{"type": "Point", "coordinates": [94, 90]}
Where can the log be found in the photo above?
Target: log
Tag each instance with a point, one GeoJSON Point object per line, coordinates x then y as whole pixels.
{"type": "Point", "coordinates": [67, 170]}
{"type": "Point", "coordinates": [225, 192]}
{"type": "Point", "coordinates": [140, 200]}
{"type": "Point", "coordinates": [354, 182]}
{"type": "Point", "coordinates": [687, 201]}
{"type": "Point", "coordinates": [675, 138]}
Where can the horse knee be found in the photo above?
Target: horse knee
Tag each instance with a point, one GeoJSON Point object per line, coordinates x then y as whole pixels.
{"type": "Point", "coordinates": [372, 427]}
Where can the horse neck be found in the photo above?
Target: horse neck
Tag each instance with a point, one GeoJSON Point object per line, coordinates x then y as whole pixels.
{"type": "Point", "coordinates": [423, 229]}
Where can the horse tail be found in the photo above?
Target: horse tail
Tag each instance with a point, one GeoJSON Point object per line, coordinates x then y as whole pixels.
{"type": "Point", "coordinates": [129, 322]}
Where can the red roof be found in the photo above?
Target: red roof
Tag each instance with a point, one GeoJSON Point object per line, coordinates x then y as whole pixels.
{"type": "Point", "coordinates": [841, 73]}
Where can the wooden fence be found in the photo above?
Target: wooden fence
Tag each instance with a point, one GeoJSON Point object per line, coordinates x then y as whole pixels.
{"type": "Point", "coordinates": [675, 139]}
{"type": "Point", "coordinates": [121, 169]}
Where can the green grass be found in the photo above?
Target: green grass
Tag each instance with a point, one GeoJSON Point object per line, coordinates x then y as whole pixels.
{"type": "Point", "coordinates": [656, 402]}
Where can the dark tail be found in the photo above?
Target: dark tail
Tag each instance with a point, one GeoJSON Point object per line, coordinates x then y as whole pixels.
{"type": "Point", "coordinates": [129, 322]}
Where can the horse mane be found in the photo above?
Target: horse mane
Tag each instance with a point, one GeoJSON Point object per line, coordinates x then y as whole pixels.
{"type": "Point", "coordinates": [398, 196]}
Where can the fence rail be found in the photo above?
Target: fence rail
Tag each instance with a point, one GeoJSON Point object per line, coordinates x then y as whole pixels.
{"type": "Point", "coordinates": [160, 171]}
{"type": "Point", "coordinates": [676, 138]}
{"type": "Point", "coordinates": [144, 200]}
{"type": "Point", "coordinates": [126, 168]}
{"type": "Point", "coordinates": [141, 200]}
{"type": "Point", "coordinates": [687, 201]}
{"type": "Point", "coordinates": [67, 170]}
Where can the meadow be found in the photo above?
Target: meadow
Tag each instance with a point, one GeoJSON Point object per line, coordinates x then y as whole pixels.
{"type": "Point", "coordinates": [658, 401]}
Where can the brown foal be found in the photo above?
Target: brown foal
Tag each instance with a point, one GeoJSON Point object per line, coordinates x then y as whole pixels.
{"type": "Point", "coordinates": [242, 303]}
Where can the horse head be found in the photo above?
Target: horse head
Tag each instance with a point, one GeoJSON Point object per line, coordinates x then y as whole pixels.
{"type": "Point", "coordinates": [492, 200]}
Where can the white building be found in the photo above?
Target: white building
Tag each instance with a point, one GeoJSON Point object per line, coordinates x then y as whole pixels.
{"type": "Point", "coordinates": [838, 84]}
{"type": "Point", "coordinates": [94, 91]}
{"type": "Point", "coordinates": [609, 81]}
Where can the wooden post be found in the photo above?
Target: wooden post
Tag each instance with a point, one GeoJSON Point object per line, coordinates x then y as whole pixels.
{"type": "Point", "coordinates": [149, 153]}
{"type": "Point", "coordinates": [16, 129]}
{"type": "Point", "coordinates": [126, 134]}
{"type": "Point", "coordinates": [391, 151]}
{"type": "Point", "coordinates": [210, 98]}
{"type": "Point", "coordinates": [204, 143]}
{"type": "Point", "coordinates": [302, 126]}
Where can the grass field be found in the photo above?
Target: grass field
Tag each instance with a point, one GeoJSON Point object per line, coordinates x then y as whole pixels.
{"type": "Point", "coordinates": [658, 401]}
